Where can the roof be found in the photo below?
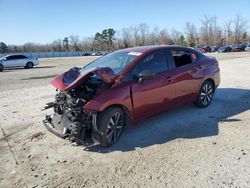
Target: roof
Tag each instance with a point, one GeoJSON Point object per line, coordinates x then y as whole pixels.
{"type": "Point", "coordinates": [143, 49]}
{"type": "Point", "coordinates": [12, 55]}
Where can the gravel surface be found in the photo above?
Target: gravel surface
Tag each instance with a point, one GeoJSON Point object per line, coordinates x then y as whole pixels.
{"type": "Point", "coordinates": [184, 147]}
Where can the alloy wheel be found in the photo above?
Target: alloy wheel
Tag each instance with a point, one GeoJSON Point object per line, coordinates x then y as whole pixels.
{"type": "Point", "coordinates": [114, 127]}
{"type": "Point", "coordinates": [206, 94]}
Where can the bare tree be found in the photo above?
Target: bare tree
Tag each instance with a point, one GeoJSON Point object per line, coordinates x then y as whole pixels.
{"type": "Point", "coordinates": [118, 39]}
{"type": "Point", "coordinates": [164, 37]}
{"type": "Point", "coordinates": [191, 32]}
{"type": "Point", "coordinates": [144, 31]}
{"type": "Point", "coordinates": [57, 45]}
{"type": "Point", "coordinates": [126, 38]}
{"type": "Point", "coordinates": [88, 43]}
{"type": "Point", "coordinates": [204, 30]}
{"type": "Point", "coordinates": [240, 26]}
{"type": "Point", "coordinates": [74, 41]}
{"type": "Point", "coordinates": [153, 37]}
{"type": "Point", "coordinates": [175, 36]}
{"type": "Point", "coordinates": [135, 35]}
{"type": "Point", "coordinates": [228, 31]}
{"type": "Point", "coordinates": [210, 33]}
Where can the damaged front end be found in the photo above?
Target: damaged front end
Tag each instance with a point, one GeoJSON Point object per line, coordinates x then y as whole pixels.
{"type": "Point", "coordinates": [74, 90]}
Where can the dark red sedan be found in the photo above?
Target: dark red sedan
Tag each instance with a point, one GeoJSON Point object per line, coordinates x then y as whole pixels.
{"type": "Point", "coordinates": [94, 103]}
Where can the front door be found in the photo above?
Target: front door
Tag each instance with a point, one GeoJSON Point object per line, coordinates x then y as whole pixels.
{"type": "Point", "coordinates": [10, 61]}
{"type": "Point", "coordinates": [152, 95]}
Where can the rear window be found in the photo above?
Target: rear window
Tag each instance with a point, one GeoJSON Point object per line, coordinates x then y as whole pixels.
{"type": "Point", "coordinates": [183, 57]}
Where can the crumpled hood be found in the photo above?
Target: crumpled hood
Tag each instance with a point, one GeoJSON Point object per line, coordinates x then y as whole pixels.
{"type": "Point", "coordinates": [74, 77]}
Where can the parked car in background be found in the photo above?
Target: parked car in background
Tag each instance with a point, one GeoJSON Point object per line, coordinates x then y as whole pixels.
{"type": "Point", "coordinates": [215, 48]}
{"type": "Point", "coordinates": [242, 47]}
{"type": "Point", "coordinates": [98, 53]}
{"type": "Point", "coordinates": [16, 60]}
{"type": "Point", "coordinates": [236, 48]}
{"type": "Point", "coordinates": [86, 54]}
{"type": "Point", "coordinates": [196, 47]}
{"type": "Point", "coordinates": [247, 49]}
{"type": "Point", "coordinates": [205, 49]}
{"type": "Point", "coordinates": [224, 49]}
{"type": "Point", "coordinates": [95, 102]}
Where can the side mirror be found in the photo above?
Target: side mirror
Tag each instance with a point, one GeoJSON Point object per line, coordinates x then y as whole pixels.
{"type": "Point", "coordinates": [145, 75]}
{"type": "Point", "coordinates": [4, 59]}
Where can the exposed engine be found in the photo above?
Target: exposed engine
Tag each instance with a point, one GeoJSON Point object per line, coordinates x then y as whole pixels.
{"type": "Point", "coordinates": [70, 119]}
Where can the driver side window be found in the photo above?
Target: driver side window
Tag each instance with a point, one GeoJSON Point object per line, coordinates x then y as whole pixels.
{"type": "Point", "coordinates": [155, 62]}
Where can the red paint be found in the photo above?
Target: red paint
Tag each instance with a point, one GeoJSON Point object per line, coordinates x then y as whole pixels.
{"type": "Point", "coordinates": [168, 89]}
{"type": "Point", "coordinates": [105, 73]}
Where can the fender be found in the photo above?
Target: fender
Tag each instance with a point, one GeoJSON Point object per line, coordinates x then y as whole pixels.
{"type": "Point", "coordinates": [119, 95]}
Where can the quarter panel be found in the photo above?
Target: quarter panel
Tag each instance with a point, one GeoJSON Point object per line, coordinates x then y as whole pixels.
{"type": "Point", "coordinates": [212, 71]}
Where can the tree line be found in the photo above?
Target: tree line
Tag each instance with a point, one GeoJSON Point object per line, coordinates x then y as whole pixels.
{"type": "Point", "coordinates": [233, 31]}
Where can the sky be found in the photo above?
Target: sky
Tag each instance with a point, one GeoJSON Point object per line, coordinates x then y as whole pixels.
{"type": "Point", "coordinates": [43, 21]}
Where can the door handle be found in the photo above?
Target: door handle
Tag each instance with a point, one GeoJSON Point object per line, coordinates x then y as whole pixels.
{"type": "Point", "coordinates": [168, 79]}
{"type": "Point", "coordinates": [199, 67]}
{"type": "Point", "coordinates": [194, 70]}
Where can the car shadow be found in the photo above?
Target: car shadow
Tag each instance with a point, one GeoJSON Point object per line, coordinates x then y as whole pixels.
{"type": "Point", "coordinates": [40, 77]}
{"type": "Point", "coordinates": [21, 68]}
{"type": "Point", "coordinates": [187, 122]}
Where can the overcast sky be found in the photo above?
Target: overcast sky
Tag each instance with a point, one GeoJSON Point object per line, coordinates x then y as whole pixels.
{"type": "Point", "coordinates": [42, 21]}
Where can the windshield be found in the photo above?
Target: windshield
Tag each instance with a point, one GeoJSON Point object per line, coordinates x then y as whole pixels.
{"type": "Point", "coordinates": [117, 61]}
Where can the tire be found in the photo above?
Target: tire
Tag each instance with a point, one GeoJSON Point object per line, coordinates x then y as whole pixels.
{"type": "Point", "coordinates": [110, 123]}
{"type": "Point", "coordinates": [29, 65]}
{"type": "Point", "coordinates": [1, 68]}
{"type": "Point", "coordinates": [205, 95]}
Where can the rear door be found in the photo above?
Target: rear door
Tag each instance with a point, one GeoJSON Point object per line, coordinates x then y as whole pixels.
{"type": "Point", "coordinates": [153, 95]}
{"type": "Point", "coordinates": [21, 61]}
{"type": "Point", "coordinates": [189, 73]}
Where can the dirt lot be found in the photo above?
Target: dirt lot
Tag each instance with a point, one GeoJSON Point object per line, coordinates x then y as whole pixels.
{"type": "Point", "coordinates": [185, 147]}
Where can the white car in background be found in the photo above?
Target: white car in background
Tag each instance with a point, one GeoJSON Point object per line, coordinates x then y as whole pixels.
{"type": "Point", "coordinates": [247, 49]}
{"type": "Point", "coordinates": [98, 53]}
{"type": "Point", "coordinates": [17, 60]}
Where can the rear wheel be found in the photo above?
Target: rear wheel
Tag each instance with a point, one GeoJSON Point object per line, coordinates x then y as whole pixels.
{"type": "Point", "coordinates": [111, 123]}
{"type": "Point", "coordinates": [1, 68]}
{"type": "Point", "coordinates": [205, 95]}
{"type": "Point", "coordinates": [29, 65]}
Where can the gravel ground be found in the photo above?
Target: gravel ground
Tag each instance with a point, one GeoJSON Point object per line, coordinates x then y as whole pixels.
{"type": "Point", "coordinates": [184, 147]}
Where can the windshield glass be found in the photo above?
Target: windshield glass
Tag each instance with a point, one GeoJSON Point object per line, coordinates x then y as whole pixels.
{"type": "Point", "coordinates": [117, 61]}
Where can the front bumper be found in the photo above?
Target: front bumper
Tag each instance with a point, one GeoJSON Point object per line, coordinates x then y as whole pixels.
{"type": "Point", "coordinates": [63, 128]}
{"type": "Point", "coordinates": [49, 124]}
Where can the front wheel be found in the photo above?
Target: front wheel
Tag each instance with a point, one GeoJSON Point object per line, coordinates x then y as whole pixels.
{"type": "Point", "coordinates": [1, 68]}
{"type": "Point", "coordinates": [29, 65]}
{"type": "Point", "coordinates": [205, 95]}
{"type": "Point", "coordinates": [111, 123]}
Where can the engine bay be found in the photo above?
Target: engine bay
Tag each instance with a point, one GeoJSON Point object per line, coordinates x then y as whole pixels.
{"type": "Point", "coordinates": [70, 119]}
